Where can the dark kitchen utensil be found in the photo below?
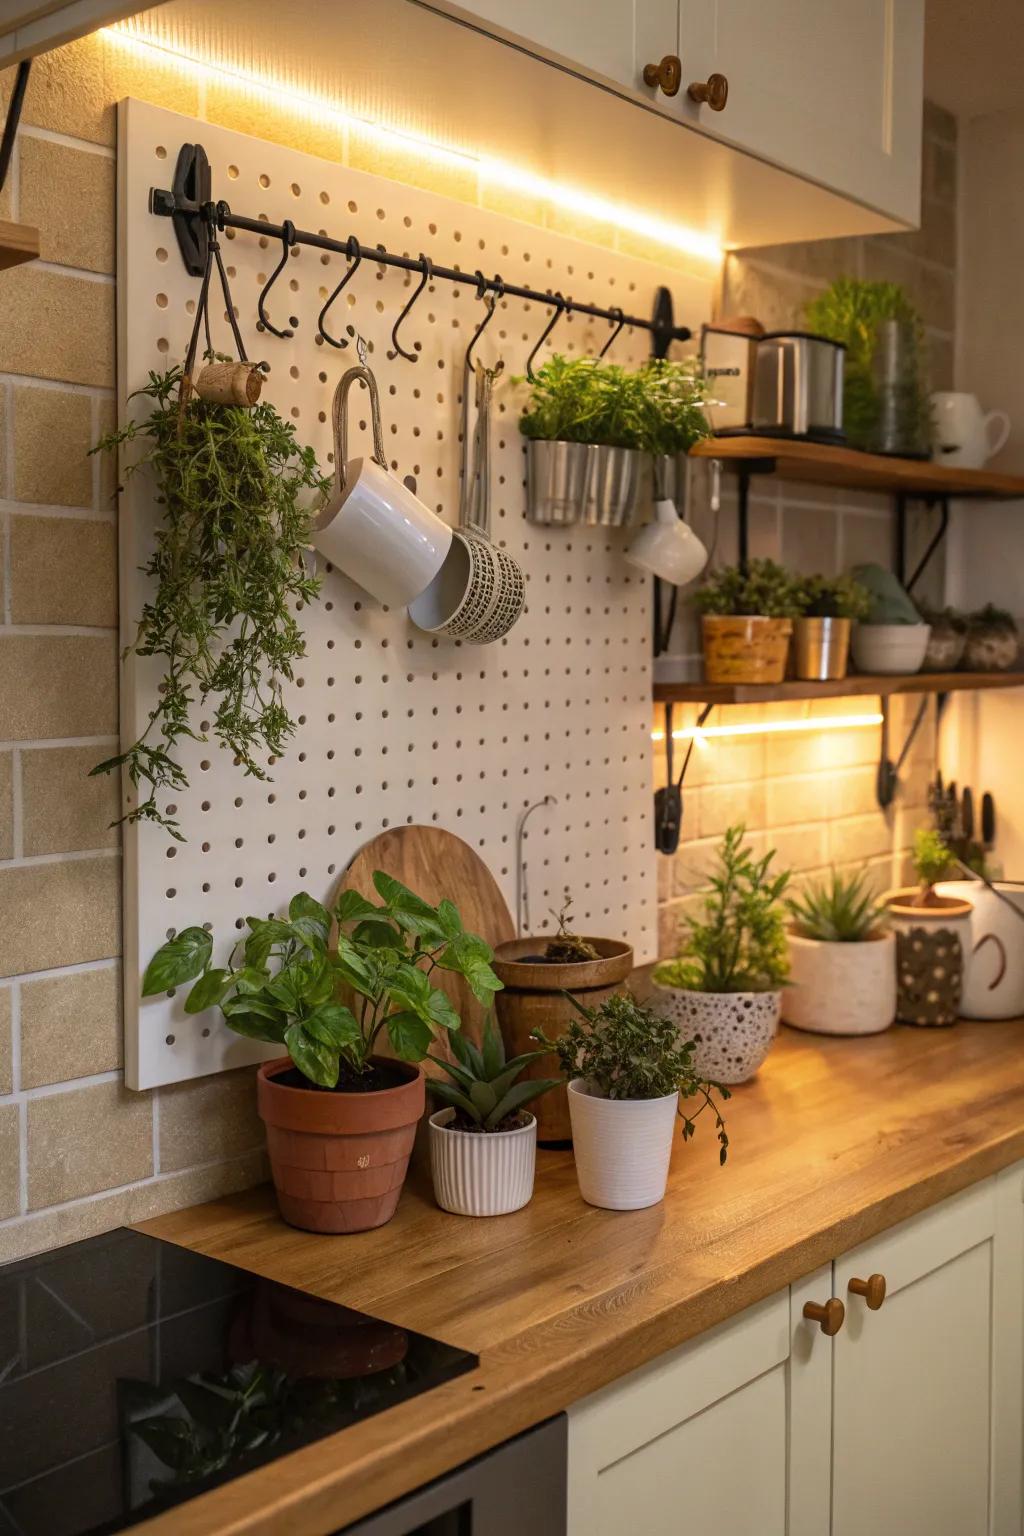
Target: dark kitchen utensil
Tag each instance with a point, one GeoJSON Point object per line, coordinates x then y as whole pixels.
{"type": "Point", "coordinates": [967, 814]}
{"type": "Point", "coordinates": [988, 821]}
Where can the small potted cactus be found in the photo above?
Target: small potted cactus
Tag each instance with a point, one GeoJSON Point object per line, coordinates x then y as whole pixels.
{"type": "Point", "coordinates": [483, 1141]}
{"type": "Point", "coordinates": [842, 960]}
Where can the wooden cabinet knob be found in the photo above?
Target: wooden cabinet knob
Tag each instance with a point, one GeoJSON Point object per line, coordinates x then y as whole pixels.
{"type": "Point", "coordinates": [830, 1316]}
{"type": "Point", "coordinates": [714, 91]}
{"type": "Point", "coordinates": [668, 74]}
{"type": "Point", "coordinates": [872, 1289]}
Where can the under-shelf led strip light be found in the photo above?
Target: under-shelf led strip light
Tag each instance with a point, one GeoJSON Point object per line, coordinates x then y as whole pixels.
{"type": "Point", "coordinates": [702, 734]}
{"type": "Point", "coordinates": [499, 173]}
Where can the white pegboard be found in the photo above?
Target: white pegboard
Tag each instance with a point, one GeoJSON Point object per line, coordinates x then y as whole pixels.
{"type": "Point", "coordinates": [394, 726]}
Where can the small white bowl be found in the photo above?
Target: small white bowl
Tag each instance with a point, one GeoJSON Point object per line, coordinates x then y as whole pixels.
{"type": "Point", "coordinates": [889, 648]}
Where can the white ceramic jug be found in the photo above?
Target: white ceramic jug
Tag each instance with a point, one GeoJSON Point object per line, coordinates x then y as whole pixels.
{"type": "Point", "coordinates": [963, 433]}
{"type": "Point", "coordinates": [994, 953]}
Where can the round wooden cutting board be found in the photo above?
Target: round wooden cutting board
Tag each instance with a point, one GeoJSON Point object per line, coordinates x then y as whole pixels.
{"type": "Point", "coordinates": [437, 864]}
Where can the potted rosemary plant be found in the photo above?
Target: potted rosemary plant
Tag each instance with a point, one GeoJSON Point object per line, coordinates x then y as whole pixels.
{"type": "Point", "coordinates": [627, 1070]}
{"type": "Point", "coordinates": [821, 634]}
{"type": "Point", "coordinates": [932, 937]}
{"type": "Point", "coordinates": [483, 1142]}
{"type": "Point", "coordinates": [842, 960]}
{"type": "Point", "coordinates": [340, 1118]}
{"type": "Point", "coordinates": [725, 990]}
{"type": "Point", "coordinates": [747, 622]}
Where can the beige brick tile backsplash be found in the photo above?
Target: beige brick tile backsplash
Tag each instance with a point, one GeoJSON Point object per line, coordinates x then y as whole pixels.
{"type": "Point", "coordinates": [57, 685]}
{"type": "Point", "coordinates": [6, 805]}
{"type": "Point", "coordinates": [52, 438]}
{"type": "Point", "coordinates": [63, 571]}
{"type": "Point", "coordinates": [75, 232]}
{"type": "Point", "coordinates": [6, 1042]}
{"type": "Point", "coordinates": [59, 913]}
{"type": "Point", "coordinates": [57, 327]}
{"type": "Point", "coordinates": [64, 810]}
{"type": "Point", "coordinates": [10, 1164]}
{"type": "Point", "coordinates": [208, 1121]}
{"type": "Point", "coordinates": [70, 1026]}
{"type": "Point", "coordinates": [71, 1151]}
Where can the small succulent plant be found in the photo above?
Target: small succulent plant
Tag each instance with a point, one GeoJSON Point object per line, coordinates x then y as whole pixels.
{"type": "Point", "coordinates": [834, 597]}
{"type": "Point", "coordinates": [839, 910]}
{"type": "Point", "coordinates": [484, 1090]}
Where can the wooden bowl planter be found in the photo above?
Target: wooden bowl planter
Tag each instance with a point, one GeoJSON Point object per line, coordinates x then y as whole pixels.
{"type": "Point", "coordinates": [841, 988]}
{"type": "Point", "coordinates": [534, 999]}
{"type": "Point", "coordinates": [931, 942]}
{"type": "Point", "coordinates": [339, 1160]}
{"type": "Point", "coordinates": [745, 648]}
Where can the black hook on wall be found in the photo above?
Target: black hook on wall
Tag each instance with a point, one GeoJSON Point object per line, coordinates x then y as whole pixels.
{"type": "Point", "coordinates": [354, 255]}
{"type": "Point", "coordinates": [427, 269]}
{"type": "Point", "coordinates": [264, 323]}
{"type": "Point", "coordinates": [491, 300]}
{"type": "Point", "coordinates": [563, 306]}
{"type": "Point", "coordinates": [620, 321]}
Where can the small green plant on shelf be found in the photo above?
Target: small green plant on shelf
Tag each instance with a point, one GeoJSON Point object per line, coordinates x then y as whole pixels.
{"type": "Point", "coordinates": [833, 597]}
{"type": "Point", "coordinates": [284, 990]}
{"type": "Point", "coordinates": [839, 910]}
{"type": "Point", "coordinates": [567, 947]}
{"type": "Point", "coordinates": [675, 397]}
{"type": "Point", "coordinates": [581, 400]}
{"type": "Point", "coordinates": [764, 589]}
{"type": "Point", "coordinates": [932, 858]}
{"type": "Point", "coordinates": [739, 945]}
{"type": "Point", "coordinates": [235, 490]}
{"type": "Point", "coordinates": [625, 1051]}
{"type": "Point", "coordinates": [485, 1090]}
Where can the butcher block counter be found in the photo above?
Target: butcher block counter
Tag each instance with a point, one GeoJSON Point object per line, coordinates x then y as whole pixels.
{"type": "Point", "coordinates": [835, 1141]}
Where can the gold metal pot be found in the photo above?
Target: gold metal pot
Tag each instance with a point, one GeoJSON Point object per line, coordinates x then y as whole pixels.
{"type": "Point", "coordinates": [821, 648]}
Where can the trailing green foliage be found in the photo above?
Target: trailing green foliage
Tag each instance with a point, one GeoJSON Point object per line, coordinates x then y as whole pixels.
{"type": "Point", "coordinates": [485, 1089]}
{"type": "Point", "coordinates": [931, 858]}
{"type": "Point", "coordinates": [658, 408]}
{"type": "Point", "coordinates": [764, 588]}
{"type": "Point", "coordinates": [626, 1051]}
{"type": "Point", "coordinates": [285, 988]}
{"type": "Point", "coordinates": [740, 946]}
{"type": "Point", "coordinates": [839, 910]}
{"type": "Point", "coordinates": [228, 576]}
{"type": "Point", "coordinates": [833, 597]}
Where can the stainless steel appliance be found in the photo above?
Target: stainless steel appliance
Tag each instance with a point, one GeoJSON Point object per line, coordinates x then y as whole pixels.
{"type": "Point", "coordinates": [798, 387]}
{"type": "Point", "coordinates": [727, 361]}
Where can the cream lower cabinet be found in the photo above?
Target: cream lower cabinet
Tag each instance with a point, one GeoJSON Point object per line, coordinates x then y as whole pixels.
{"type": "Point", "coordinates": [907, 1422]}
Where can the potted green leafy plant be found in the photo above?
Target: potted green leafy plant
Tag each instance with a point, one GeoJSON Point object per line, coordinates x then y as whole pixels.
{"type": "Point", "coordinates": [236, 491]}
{"type": "Point", "coordinates": [821, 634]}
{"type": "Point", "coordinates": [483, 1141]}
{"type": "Point", "coordinates": [340, 1118]}
{"type": "Point", "coordinates": [725, 989]}
{"type": "Point", "coordinates": [627, 1069]}
{"type": "Point", "coordinates": [932, 937]}
{"type": "Point", "coordinates": [747, 622]}
{"type": "Point", "coordinates": [842, 959]}
{"type": "Point", "coordinates": [561, 423]}
{"type": "Point", "coordinates": [992, 642]}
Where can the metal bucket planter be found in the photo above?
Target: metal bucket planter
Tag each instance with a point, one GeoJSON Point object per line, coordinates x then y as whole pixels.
{"type": "Point", "coordinates": [612, 487]}
{"type": "Point", "coordinates": [556, 480]}
{"type": "Point", "coordinates": [821, 648]}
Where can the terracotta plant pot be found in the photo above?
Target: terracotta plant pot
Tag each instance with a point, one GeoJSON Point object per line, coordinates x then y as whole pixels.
{"type": "Point", "coordinates": [930, 946]}
{"type": "Point", "coordinates": [841, 989]}
{"type": "Point", "coordinates": [734, 1031]}
{"type": "Point", "coordinates": [339, 1160]}
{"type": "Point", "coordinates": [744, 649]}
{"type": "Point", "coordinates": [534, 998]}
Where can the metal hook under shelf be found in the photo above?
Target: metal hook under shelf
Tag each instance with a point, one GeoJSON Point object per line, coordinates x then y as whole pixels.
{"type": "Point", "coordinates": [563, 306]}
{"type": "Point", "coordinates": [427, 270]}
{"type": "Point", "coordinates": [491, 296]}
{"type": "Point", "coordinates": [264, 323]}
{"type": "Point", "coordinates": [620, 322]}
{"type": "Point", "coordinates": [354, 256]}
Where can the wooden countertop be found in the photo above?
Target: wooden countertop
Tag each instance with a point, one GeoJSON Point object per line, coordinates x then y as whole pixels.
{"type": "Point", "coordinates": [833, 1142]}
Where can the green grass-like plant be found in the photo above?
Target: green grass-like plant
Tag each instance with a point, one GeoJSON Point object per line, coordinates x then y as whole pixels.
{"type": "Point", "coordinates": [658, 408]}
{"type": "Point", "coordinates": [765, 588]}
{"type": "Point", "coordinates": [839, 910]}
{"type": "Point", "coordinates": [485, 1088]}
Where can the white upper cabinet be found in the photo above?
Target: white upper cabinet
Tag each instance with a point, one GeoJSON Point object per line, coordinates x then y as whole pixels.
{"type": "Point", "coordinates": [28, 27]}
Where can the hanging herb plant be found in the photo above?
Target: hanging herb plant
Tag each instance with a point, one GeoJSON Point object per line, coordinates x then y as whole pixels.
{"type": "Point", "coordinates": [228, 578]}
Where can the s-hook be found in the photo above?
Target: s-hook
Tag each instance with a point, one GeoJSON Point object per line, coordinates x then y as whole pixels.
{"type": "Point", "coordinates": [354, 255]}
{"type": "Point", "coordinates": [620, 322]}
{"type": "Point", "coordinates": [563, 306]}
{"type": "Point", "coordinates": [264, 323]}
{"type": "Point", "coordinates": [492, 301]}
{"type": "Point", "coordinates": [427, 269]}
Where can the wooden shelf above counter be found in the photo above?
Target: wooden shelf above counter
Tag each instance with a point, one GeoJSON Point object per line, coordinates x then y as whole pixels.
{"type": "Point", "coordinates": [851, 469]}
{"type": "Point", "coordinates": [18, 243]}
{"type": "Point", "coordinates": [859, 685]}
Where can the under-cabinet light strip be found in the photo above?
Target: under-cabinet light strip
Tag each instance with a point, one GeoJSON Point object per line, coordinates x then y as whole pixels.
{"type": "Point", "coordinates": [500, 173]}
{"type": "Point", "coordinates": [770, 727]}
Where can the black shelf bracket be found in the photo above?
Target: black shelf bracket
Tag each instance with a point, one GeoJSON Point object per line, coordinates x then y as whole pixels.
{"type": "Point", "coordinates": [888, 780]}
{"type": "Point", "coordinates": [668, 801]}
{"type": "Point", "coordinates": [900, 563]}
{"type": "Point", "coordinates": [13, 118]}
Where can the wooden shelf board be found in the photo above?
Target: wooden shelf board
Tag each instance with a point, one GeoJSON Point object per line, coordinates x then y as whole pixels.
{"type": "Point", "coordinates": [822, 464]}
{"type": "Point", "coordinates": [854, 686]}
{"type": "Point", "coordinates": [18, 243]}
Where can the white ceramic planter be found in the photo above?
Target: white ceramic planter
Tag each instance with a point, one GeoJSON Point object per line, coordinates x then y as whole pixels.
{"type": "Point", "coordinates": [841, 989]}
{"type": "Point", "coordinates": [479, 1173]}
{"type": "Point", "coordinates": [734, 1031]}
{"type": "Point", "coordinates": [622, 1147]}
{"type": "Point", "coordinates": [993, 986]}
{"type": "Point", "coordinates": [889, 648]}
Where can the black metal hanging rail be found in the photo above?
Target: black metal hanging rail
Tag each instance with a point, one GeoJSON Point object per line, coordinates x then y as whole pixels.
{"type": "Point", "coordinates": [191, 207]}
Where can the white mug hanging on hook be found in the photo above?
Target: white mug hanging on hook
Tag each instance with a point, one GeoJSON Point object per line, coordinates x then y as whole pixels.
{"type": "Point", "coordinates": [374, 528]}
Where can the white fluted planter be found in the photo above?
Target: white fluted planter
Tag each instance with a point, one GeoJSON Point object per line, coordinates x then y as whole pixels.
{"type": "Point", "coordinates": [481, 1173]}
{"type": "Point", "coordinates": [734, 1031]}
{"type": "Point", "coordinates": [622, 1147]}
{"type": "Point", "coordinates": [841, 989]}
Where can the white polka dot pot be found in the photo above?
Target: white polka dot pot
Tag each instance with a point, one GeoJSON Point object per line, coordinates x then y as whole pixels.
{"type": "Point", "coordinates": [622, 1147]}
{"type": "Point", "coordinates": [734, 1031]}
{"type": "Point", "coordinates": [479, 1173]}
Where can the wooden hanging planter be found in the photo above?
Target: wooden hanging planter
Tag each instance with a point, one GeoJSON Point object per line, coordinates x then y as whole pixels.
{"type": "Point", "coordinates": [18, 243]}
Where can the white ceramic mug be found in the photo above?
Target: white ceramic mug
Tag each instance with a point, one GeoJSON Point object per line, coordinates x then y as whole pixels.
{"type": "Point", "coordinates": [668, 547]}
{"type": "Point", "coordinates": [963, 433]}
{"type": "Point", "coordinates": [374, 528]}
{"type": "Point", "coordinates": [994, 953]}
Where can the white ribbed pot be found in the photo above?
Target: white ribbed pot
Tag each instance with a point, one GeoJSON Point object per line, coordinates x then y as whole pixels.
{"type": "Point", "coordinates": [481, 1173]}
{"type": "Point", "coordinates": [622, 1147]}
{"type": "Point", "coordinates": [734, 1031]}
{"type": "Point", "coordinates": [841, 989]}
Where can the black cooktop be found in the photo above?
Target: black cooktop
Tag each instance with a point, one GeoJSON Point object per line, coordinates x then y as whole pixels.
{"type": "Point", "coordinates": [135, 1374]}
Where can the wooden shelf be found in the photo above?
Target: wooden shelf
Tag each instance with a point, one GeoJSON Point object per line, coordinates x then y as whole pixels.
{"type": "Point", "coordinates": [849, 468]}
{"type": "Point", "coordinates": [855, 686]}
{"type": "Point", "coordinates": [18, 243]}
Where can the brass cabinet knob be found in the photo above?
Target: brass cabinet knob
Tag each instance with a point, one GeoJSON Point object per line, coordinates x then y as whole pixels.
{"type": "Point", "coordinates": [830, 1316]}
{"type": "Point", "coordinates": [872, 1289]}
{"type": "Point", "coordinates": [668, 74]}
{"type": "Point", "coordinates": [714, 91]}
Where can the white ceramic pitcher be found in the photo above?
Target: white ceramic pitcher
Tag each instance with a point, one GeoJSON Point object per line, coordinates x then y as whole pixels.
{"type": "Point", "coordinates": [963, 433]}
{"type": "Point", "coordinates": [994, 954]}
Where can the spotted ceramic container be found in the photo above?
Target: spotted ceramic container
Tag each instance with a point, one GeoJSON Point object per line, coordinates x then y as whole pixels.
{"type": "Point", "coordinates": [734, 1031]}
